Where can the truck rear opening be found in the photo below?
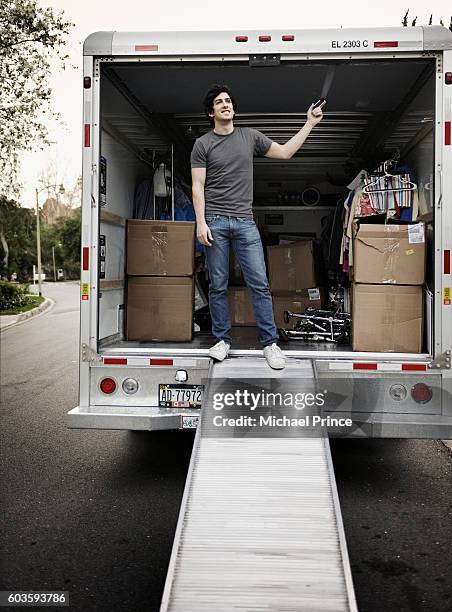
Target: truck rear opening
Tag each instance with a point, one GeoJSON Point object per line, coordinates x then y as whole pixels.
{"type": "Point", "coordinates": [389, 109]}
{"type": "Point", "coordinates": [376, 109]}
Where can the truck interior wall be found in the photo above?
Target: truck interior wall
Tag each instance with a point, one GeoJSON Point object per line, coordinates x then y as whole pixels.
{"type": "Point", "coordinates": [124, 171]}
{"type": "Point", "coordinates": [323, 163]}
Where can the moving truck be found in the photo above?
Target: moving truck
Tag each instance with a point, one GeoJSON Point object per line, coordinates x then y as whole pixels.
{"type": "Point", "coordinates": [388, 91]}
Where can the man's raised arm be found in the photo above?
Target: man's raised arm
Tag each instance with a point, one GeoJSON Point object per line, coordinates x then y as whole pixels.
{"type": "Point", "coordinates": [287, 150]}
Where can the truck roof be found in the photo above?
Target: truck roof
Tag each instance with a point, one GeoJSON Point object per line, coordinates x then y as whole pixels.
{"type": "Point", "coordinates": [228, 42]}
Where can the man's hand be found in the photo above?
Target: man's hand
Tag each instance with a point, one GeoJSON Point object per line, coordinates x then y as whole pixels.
{"type": "Point", "coordinates": [314, 115]}
{"type": "Point", "coordinates": [204, 234]}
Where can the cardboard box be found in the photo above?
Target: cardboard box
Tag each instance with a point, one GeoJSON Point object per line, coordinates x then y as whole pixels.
{"type": "Point", "coordinates": [159, 308]}
{"type": "Point", "coordinates": [291, 266]}
{"type": "Point", "coordinates": [387, 318]}
{"type": "Point", "coordinates": [389, 254]}
{"type": "Point", "coordinates": [160, 248]}
{"type": "Point", "coordinates": [241, 307]}
{"type": "Point", "coordinates": [295, 301]}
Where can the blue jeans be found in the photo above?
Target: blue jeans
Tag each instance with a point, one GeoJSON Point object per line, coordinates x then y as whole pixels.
{"type": "Point", "coordinates": [242, 234]}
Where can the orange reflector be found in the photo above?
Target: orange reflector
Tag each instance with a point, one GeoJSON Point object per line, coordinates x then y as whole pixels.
{"type": "Point", "coordinates": [447, 132]}
{"type": "Point", "coordinates": [414, 367]}
{"type": "Point", "coordinates": [87, 139]}
{"type": "Point", "coordinates": [386, 44]}
{"type": "Point", "coordinates": [154, 362]}
{"type": "Point", "coordinates": [146, 47]}
{"type": "Point", "coordinates": [365, 366]}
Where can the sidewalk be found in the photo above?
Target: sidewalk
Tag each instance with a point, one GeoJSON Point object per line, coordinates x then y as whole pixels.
{"type": "Point", "coordinates": [10, 320]}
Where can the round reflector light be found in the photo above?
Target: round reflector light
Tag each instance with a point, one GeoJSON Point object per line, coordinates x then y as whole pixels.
{"type": "Point", "coordinates": [398, 392]}
{"type": "Point", "coordinates": [108, 385]}
{"type": "Point", "coordinates": [130, 386]}
{"type": "Point", "coordinates": [421, 393]}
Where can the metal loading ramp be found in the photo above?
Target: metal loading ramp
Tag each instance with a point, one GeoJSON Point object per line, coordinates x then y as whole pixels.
{"type": "Point", "coordinates": [260, 525]}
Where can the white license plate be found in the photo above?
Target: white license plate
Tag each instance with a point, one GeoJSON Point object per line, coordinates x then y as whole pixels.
{"type": "Point", "coordinates": [180, 396]}
{"type": "Point", "coordinates": [190, 422]}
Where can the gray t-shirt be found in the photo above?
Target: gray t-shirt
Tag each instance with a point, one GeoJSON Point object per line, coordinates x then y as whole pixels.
{"type": "Point", "coordinates": [229, 163]}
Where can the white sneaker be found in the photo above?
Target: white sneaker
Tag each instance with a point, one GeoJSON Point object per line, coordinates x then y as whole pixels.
{"type": "Point", "coordinates": [220, 350]}
{"type": "Point", "coordinates": [274, 356]}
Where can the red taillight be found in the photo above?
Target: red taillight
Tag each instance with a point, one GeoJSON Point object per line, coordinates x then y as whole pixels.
{"type": "Point", "coordinates": [288, 37]}
{"type": "Point", "coordinates": [108, 386]}
{"type": "Point", "coordinates": [87, 82]}
{"type": "Point", "coordinates": [421, 393]}
{"type": "Point", "coordinates": [448, 78]}
{"type": "Point", "coordinates": [265, 38]}
{"type": "Point", "coordinates": [241, 39]}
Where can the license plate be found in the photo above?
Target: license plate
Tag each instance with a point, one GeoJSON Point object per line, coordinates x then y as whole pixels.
{"type": "Point", "coordinates": [190, 422]}
{"type": "Point", "coordinates": [180, 396]}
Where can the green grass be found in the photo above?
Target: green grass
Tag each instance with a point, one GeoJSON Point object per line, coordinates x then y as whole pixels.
{"type": "Point", "coordinates": [33, 301]}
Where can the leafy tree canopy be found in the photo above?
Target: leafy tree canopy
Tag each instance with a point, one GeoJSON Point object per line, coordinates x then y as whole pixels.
{"type": "Point", "coordinates": [30, 37]}
{"type": "Point", "coordinates": [17, 239]}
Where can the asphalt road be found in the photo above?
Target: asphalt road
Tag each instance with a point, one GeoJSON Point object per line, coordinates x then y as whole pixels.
{"type": "Point", "coordinates": [94, 513]}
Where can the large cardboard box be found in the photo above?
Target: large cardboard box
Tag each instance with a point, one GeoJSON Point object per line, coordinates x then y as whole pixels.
{"type": "Point", "coordinates": [241, 307]}
{"type": "Point", "coordinates": [392, 253]}
{"type": "Point", "coordinates": [387, 318]}
{"type": "Point", "coordinates": [159, 308]}
{"type": "Point", "coordinates": [295, 301]}
{"type": "Point", "coordinates": [160, 248]}
{"type": "Point", "coordinates": [291, 266]}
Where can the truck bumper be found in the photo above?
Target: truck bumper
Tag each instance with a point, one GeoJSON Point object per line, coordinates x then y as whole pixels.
{"type": "Point", "coordinates": [367, 425]}
{"type": "Point", "coordinates": [137, 418]}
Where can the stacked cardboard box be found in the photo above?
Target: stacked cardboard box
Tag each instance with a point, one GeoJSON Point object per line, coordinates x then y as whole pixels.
{"type": "Point", "coordinates": [160, 267]}
{"type": "Point", "coordinates": [388, 274]}
{"type": "Point", "coordinates": [293, 272]}
{"type": "Point", "coordinates": [241, 307]}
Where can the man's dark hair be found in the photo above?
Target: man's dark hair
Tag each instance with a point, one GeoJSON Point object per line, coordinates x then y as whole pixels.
{"type": "Point", "coordinates": [210, 96]}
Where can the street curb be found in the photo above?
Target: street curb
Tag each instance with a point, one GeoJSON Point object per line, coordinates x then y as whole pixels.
{"type": "Point", "coordinates": [47, 303]}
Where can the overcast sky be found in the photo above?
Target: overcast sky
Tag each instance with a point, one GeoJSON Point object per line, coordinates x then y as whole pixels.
{"type": "Point", "coordinates": [139, 15]}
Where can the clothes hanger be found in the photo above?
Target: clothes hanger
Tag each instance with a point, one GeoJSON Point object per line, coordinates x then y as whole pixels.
{"type": "Point", "coordinates": [407, 184]}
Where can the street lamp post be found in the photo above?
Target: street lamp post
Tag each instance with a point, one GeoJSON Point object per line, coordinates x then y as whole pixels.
{"type": "Point", "coordinates": [38, 242]}
{"type": "Point", "coordinates": [53, 259]}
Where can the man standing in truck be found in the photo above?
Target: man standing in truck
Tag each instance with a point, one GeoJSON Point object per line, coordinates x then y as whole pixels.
{"type": "Point", "coordinates": [222, 176]}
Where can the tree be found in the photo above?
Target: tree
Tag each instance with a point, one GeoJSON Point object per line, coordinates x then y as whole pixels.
{"type": "Point", "coordinates": [17, 239]}
{"type": "Point", "coordinates": [30, 36]}
{"type": "Point", "coordinates": [430, 22]}
{"type": "Point", "coordinates": [64, 236]}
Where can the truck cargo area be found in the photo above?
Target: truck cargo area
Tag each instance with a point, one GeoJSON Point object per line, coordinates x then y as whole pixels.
{"type": "Point", "coordinates": [152, 109]}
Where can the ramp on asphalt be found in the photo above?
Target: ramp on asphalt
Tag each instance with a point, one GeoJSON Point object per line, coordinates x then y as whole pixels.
{"type": "Point", "coordinates": [260, 526]}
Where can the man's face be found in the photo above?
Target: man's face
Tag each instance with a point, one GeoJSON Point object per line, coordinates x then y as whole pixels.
{"type": "Point", "coordinates": [223, 109]}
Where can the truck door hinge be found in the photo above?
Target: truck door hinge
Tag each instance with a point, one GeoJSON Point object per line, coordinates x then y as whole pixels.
{"type": "Point", "coordinates": [441, 362]}
{"type": "Point", "coordinates": [88, 354]}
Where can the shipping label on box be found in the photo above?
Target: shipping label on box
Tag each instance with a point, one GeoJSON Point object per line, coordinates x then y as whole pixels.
{"type": "Point", "coordinates": [296, 302]}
